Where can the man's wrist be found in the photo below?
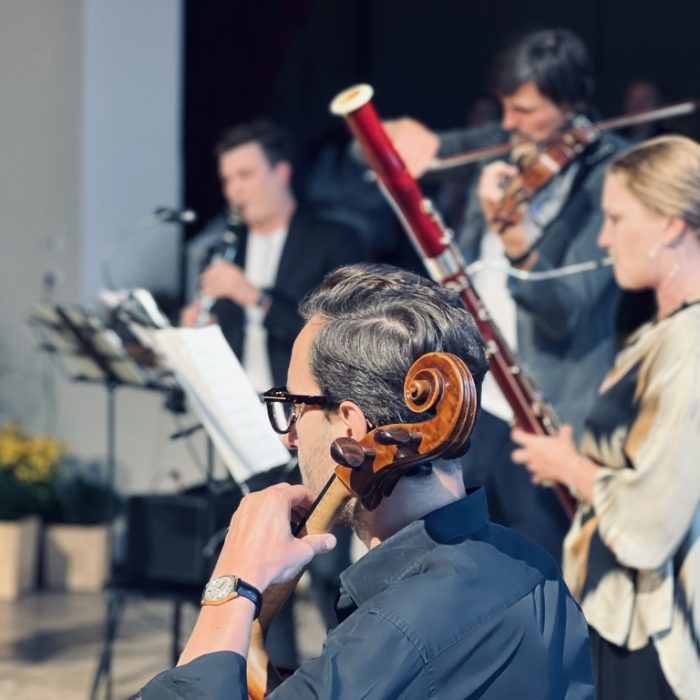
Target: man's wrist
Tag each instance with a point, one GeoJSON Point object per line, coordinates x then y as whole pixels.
{"type": "Point", "coordinates": [226, 587]}
{"type": "Point", "coordinates": [263, 301]}
{"type": "Point", "coordinates": [523, 259]}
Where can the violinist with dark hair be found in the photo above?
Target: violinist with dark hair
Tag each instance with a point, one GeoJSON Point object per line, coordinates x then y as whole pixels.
{"type": "Point", "coordinates": [562, 329]}
{"type": "Point", "coordinates": [444, 604]}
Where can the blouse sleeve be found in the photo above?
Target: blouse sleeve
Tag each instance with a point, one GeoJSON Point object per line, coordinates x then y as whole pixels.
{"type": "Point", "coordinates": [645, 511]}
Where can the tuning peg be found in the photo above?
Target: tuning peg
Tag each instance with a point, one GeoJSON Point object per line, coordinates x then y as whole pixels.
{"type": "Point", "coordinates": [350, 453]}
{"type": "Point", "coordinates": [396, 436]}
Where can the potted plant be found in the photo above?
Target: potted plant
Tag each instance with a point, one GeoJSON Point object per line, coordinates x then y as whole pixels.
{"type": "Point", "coordinates": [78, 533]}
{"type": "Point", "coordinates": [28, 467]}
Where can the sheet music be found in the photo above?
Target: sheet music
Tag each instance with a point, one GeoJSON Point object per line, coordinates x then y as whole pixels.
{"type": "Point", "coordinates": [230, 410]}
{"type": "Point", "coordinates": [89, 351]}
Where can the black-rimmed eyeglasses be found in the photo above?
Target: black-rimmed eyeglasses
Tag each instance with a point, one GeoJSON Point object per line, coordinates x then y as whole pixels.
{"type": "Point", "coordinates": [283, 408]}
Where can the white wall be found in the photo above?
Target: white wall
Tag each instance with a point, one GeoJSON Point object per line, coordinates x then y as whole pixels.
{"type": "Point", "coordinates": [130, 140]}
{"type": "Point", "coordinates": [89, 136]}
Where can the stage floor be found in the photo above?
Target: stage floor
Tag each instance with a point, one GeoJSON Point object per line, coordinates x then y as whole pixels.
{"type": "Point", "coordinates": [50, 644]}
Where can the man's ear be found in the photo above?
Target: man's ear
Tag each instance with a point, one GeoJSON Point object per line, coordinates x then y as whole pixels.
{"type": "Point", "coordinates": [283, 170]}
{"type": "Point", "coordinates": [354, 419]}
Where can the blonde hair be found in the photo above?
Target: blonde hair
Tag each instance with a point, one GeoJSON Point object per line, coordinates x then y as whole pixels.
{"type": "Point", "coordinates": [664, 175]}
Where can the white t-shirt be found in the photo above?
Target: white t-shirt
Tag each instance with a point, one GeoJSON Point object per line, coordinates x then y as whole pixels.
{"type": "Point", "coordinates": [492, 283]}
{"type": "Point", "coordinates": [262, 261]}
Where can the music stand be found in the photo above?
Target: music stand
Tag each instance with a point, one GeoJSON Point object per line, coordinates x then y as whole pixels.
{"type": "Point", "coordinates": [87, 351]}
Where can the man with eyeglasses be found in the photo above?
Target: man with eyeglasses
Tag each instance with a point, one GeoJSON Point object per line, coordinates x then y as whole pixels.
{"type": "Point", "coordinates": [444, 604]}
{"type": "Point", "coordinates": [278, 251]}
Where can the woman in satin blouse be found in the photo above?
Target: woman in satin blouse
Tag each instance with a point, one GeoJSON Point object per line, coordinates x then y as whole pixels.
{"type": "Point", "coordinates": [632, 555]}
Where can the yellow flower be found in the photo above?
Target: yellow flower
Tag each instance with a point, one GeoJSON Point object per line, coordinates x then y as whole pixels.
{"type": "Point", "coordinates": [30, 459]}
{"type": "Point", "coordinates": [11, 451]}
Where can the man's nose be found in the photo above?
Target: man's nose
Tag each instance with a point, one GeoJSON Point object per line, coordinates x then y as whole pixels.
{"type": "Point", "coordinates": [290, 438]}
{"type": "Point", "coordinates": [508, 120]}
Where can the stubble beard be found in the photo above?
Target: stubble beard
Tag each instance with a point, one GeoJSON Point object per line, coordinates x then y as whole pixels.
{"type": "Point", "coordinates": [352, 515]}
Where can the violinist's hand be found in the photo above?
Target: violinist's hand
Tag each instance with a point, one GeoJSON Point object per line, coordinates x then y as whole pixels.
{"type": "Point", "coordinates": [260, 547]}
{"type": "Point", "coordinates": [415, 143]}
{"type": "Point", "coordinates": [224, 280]}
{"type": "Point", "coordinates": [492, 184]}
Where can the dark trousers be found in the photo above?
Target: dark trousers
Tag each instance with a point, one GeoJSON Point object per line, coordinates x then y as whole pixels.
{"type": "Point", "coordinates": [514, 501]}
{"type": "Point", "coordinates": [621, 674]}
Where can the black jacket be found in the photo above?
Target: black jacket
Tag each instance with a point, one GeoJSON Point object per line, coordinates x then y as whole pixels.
{"type": "Point", "coordinates": [313, 247]}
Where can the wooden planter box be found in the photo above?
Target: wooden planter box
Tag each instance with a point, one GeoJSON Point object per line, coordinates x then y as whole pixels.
{"type": "Point", "coordinates": [76, 557]}
{"type": "Point", "coordinates": [19, 556]}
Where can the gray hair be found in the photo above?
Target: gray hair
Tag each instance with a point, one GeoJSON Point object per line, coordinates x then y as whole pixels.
{"type": "Point", "coordinates": [377, 321]}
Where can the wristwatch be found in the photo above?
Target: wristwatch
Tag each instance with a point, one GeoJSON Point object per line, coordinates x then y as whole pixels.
{"type": "Point", "coordinates": [224, 588]}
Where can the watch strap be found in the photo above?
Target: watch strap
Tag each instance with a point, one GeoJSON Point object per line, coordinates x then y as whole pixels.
{"type": "Point", "coordinates": [251, 593]}
{"type": "Point", "coordinates": [520, 259]}
{"type": "Point", "coordinates": [240, 588]}
{"type": "Point", "coordinates": [264, 300]}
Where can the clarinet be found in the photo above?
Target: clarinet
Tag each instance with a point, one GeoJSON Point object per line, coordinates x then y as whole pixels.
{"type": "Point", "coordinates": [444, 262]}
{"type": "Point", "coordinates": [225, 250]}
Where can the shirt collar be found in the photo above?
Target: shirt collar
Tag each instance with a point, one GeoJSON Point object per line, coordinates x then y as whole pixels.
{"type": "Point", "coordinates": [401, 555]}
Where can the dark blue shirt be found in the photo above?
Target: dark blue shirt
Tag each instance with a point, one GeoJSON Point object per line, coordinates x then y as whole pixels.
{"type": "Point", "coordinates": [451, 606]}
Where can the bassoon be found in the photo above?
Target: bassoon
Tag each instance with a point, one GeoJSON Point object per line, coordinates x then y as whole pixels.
{"type": "Point", "coordinates": [444, 262]}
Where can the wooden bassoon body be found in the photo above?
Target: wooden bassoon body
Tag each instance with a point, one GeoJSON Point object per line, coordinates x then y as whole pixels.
{"type": "Point", "coordinates": [444, 262]}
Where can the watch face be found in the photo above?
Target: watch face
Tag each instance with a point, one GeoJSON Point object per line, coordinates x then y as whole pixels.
{"type": "Point", "coordinates": [219, 588]}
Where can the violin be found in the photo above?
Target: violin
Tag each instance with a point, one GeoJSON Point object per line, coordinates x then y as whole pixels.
{"type": "Point", "coordinates": [437, 384]}
{"type": "Point", "coordinates": [539, 166]}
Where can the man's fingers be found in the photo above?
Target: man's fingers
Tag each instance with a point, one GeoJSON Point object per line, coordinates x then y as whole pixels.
{"type": "Point", "coordinates": [320, 544]}
{"type": "Point", "coordinates": [299, 496]}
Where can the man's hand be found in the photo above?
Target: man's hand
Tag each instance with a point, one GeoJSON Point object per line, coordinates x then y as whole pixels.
{"type": "Point", "coordinates": [492, 183]}
{"type": "Point", "coordinates": [416, 144]}
{"type": "Point", "coordinates": [189, 315]}
{"type": "Point", "coordinates": [260, 547]}
{"type": "Point", "coordinates": [224, 280]}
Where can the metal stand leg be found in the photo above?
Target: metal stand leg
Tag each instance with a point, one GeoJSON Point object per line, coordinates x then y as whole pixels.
{"type": "Point", "coordinates": [111, 434]}
{"type": "Point", "coordinates": [115, 603]}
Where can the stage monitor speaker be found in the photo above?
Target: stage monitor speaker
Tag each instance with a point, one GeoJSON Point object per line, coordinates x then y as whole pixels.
{"type": "Point", "coordinates": [173, 538]}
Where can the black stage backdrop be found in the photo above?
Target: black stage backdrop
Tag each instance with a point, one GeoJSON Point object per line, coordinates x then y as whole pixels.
{"type": "Point", "coordinates": [286, 59]}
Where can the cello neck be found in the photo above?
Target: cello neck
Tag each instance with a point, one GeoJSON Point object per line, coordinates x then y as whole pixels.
{"type": "Point", "coordinates": [262, 676]}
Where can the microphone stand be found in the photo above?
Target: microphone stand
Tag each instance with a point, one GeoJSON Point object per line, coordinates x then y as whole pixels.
{"type": "Point", "coordinates": [162, 215]}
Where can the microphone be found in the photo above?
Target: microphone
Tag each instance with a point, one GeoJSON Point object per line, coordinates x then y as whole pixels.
{"type": "Point", "coordinates": [177, 216]}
